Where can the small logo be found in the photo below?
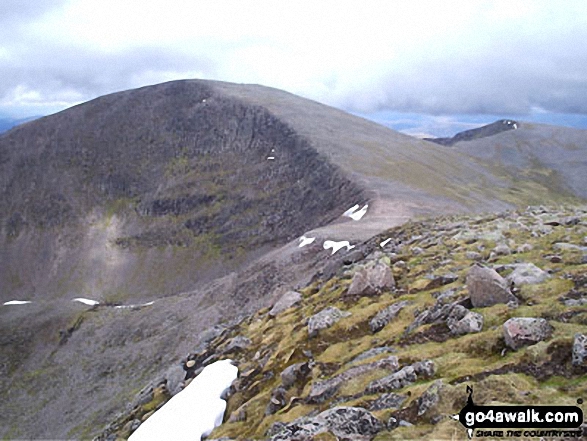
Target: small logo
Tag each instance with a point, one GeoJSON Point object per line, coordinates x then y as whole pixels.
{"type": "Point", "coordinates": [477, 418]}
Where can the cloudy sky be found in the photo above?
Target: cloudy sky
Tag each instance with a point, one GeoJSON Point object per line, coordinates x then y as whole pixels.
{"type": "Point", "coordinates": [432, 67]}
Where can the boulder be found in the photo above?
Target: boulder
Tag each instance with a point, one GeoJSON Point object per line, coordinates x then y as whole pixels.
{"type": "Point", "coordinates": [383, 317]}
{"type": "Point", "coordinates": [527, 273]}
{"type": "Point", "coordinates": [580, 350]}
{"type": "Point", "coordinates": [289, 299]}
{"type": "Point", "coordinates": [462, 321]}
{"type": "Point", "coordinates": [524, 331]}
{"type": "Point", "coordinates": [502, 250]}
{"type": "Point", "coordinates": [325, 319]}
{"type": "Point", "coordinates": [369, 281]}
{"type": "Point", "coordinates": [487, 288]}
{"type": "Point", "coordinates": [372, 353]}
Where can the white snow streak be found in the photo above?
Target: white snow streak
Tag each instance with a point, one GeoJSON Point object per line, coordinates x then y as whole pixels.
{"type": "Point", "coordinates": [385, 242]}
{"type": "Point", "coordinates": [193, 412]}
{"type": "Point", "coordinates": [337, 245]}
{"type": "Point", "coordinates": [305, 241]}
{"type": "Point", "coordinates": [86, 301]}
{"type": "Point", "coordinates": [354, 214]}
{"type": "Point", "coordinates": [17, 302]}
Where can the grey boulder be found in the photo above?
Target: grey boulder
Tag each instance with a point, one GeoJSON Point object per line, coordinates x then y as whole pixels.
{"type": "Point", "coordinates": [462, 321]}
{"type": "Point", "coordinates": [524, 331]}
{"type": "Point", "coordinates": [286, 301]}
{"type": "Point", "coordinates": [487, 288]}
{"type": "Point", "coordinates": [325, 319]}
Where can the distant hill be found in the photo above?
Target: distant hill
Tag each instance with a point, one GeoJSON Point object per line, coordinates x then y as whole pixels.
{"type": "Point", "coordinates": [480, 132]}
{"type": "Point", "coordinates": [8, 123]}
{"type": "Point", "coordinates": [192, 194]}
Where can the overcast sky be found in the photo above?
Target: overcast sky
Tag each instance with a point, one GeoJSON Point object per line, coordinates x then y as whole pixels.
{"type": "Point", "coordinates": [427, 64]}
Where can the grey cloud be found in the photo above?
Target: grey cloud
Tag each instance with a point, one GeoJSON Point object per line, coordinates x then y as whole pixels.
{"type": "Point", "coordinates": [511, 77]}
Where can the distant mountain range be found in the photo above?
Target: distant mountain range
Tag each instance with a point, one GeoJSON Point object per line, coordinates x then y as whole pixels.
{"type": "Point", "coordinates": [193, 194]}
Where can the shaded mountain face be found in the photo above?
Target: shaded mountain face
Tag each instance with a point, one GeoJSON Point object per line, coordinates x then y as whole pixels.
{"type": "Point", "coordinates": [480, 132]}
{"type": "Point", "coordinates": [138, 184]}
{"type": "Point", "coordinates": [189, 194]}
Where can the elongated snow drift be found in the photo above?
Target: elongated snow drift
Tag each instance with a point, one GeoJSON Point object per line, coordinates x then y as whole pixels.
{"type": "Point", "coordinates": [193, 412]}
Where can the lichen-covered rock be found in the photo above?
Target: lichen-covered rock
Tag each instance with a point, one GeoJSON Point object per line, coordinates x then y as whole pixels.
{"type": "Point", "coordinates": [325, 319]}
{"type": "Point", "coordinates": [405, 376]}
{"type": "Point", "coordinates": [383, 317]}
{"type": "Point", "coordinates": [524, 331]}
{"type": "Point", "coordinates": [351, 423]}
{"type": "Point", "coordinates": [401, 378]}
{"type": "Point", "coordinates": [462, 321]}
{"type": "Point", "coordinates": [346, 423]}
{"type": "Point", "coordinates": [486, 287]}
{"type": "Point", "coordinates": [429, 398]}
{"type": "Point", "coordinates": [286, 301]}
{"type": "Point", "coordinates": [527, 273]}
{"type": "Point", "coordinates": [323, 390]}
{"type": "Point", "coordinates": [370, 281]}
{"type": "Point", "coordinates": [388, 401]}
{"type": "Point", "coordinates": [580, 350]}
{"type": "Point", "coordinates": [294, 373]}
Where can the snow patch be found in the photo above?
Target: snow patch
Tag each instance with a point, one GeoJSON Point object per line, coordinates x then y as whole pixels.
{"type": "Point", "coordinates": [86, 301]}
{"type": "Point", "coordinates": [195, 411]}
{"type": "Point", "coordinates": [354, 214]}
{"type": "Point", "coordinates": [17, 302]}
{"type": "Point", "coordinates": [134, 306]}
{"type": "Point", "coordinates": [515, 126]}
{"type": "Point", "coordinates": [385, 242]}
{"type": "Point", "coordinates": [270, 157]}
{"type": "Point", "coordinates": [305, 241]}
{"type": "Point", "coordinates": [337, 245]}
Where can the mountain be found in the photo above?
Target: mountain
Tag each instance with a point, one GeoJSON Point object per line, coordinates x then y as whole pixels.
{"type": "Point", "coordinates": [177, 207]}
{"type": "Point", "coordinates": [480, 132]}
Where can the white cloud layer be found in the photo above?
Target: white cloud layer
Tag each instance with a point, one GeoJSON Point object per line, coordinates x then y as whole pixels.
{"type": "Point", "coordinates": [449, 57]}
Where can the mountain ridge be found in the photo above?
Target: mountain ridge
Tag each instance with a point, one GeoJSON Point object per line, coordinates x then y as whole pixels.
{"type": "Point", "coordinates": [167, 193]}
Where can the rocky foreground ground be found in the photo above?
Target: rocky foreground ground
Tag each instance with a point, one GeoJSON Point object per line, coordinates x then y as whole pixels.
{"type": "Point", "coordinates": [382, 344]}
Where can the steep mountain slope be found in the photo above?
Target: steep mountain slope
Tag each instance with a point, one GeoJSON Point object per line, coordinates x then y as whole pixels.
{"type": "Point", "coordinates": [395, 363]}
{"type": "Point", "coordinates": [189, 194]}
